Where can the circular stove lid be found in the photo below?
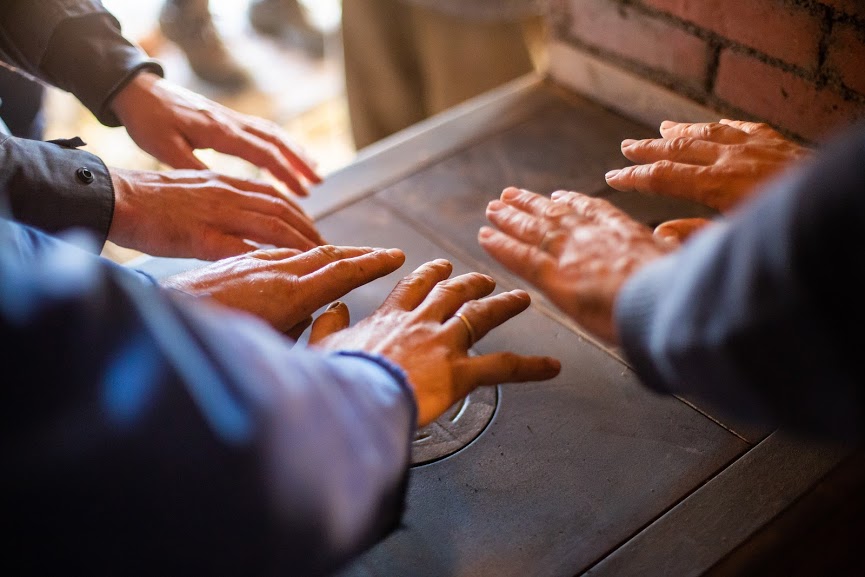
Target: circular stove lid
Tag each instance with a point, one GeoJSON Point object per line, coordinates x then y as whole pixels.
{"type": "Point", "coordinates": [456, 428]}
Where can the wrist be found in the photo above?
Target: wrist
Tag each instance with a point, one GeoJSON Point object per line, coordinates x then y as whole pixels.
{"type": "Point", "coordinates": [131, 95]}
{"type": "Point", "coordinates": [119, 232]}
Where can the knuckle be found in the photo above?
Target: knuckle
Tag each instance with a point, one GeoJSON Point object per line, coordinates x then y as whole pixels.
{"type": "Point", "coordinates": [711, 130]}
{"type": "Point", "coordinates": [679, 144]}
{"type": "Point", "coordinates": [345, 268]}
{"type": "Point", "coordinates": [413, 281]}
{"type": "Point", "coordinates": [658, 171]}
{"type": "Point", "coordinates": [330, 251]}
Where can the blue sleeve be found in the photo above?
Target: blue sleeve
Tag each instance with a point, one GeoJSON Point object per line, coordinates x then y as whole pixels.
{"type": "Point", "coordinates": [762, 314]}
{"type": "Point", "coordinates": [145, 432]}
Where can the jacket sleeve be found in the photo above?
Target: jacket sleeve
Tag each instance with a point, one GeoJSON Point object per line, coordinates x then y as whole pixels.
{"type": "Point", "coordinates": [762, 314]}
{"type": "Point", "coordinates": [144, 430]}
{"type": "Point", "coordinates": [75, 45]}
{"type": "Point", "coordinates": [55, 187]}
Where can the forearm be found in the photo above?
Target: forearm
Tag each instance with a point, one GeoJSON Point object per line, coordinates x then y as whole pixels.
{"type": "Point", "coordinates": [139, 416]}
{"type": "Point", "coordinates": [753, 314]}
{"type": "Point", "coordinates": [75, 45]}
{"type": "Point", "coordinates": [56, 188]}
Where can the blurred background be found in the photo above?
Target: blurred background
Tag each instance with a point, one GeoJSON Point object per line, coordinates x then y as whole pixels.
{"type": "Point", "coordinates": [291, 73]}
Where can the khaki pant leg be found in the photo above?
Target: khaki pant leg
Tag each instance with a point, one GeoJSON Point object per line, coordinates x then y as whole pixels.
{"type": "Point", "coordinates": [381, 70]}
{"type": "Point", "coordinates": [460, 59]}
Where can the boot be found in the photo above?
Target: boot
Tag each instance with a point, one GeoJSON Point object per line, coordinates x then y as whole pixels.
{"type": "Point", "coordinates": [188, 24]}
{"type": "Point", "coordinates": [288, 21]}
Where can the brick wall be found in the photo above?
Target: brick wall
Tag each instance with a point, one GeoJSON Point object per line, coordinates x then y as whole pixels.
{"type": "Point", "coordinates": [797, 64]}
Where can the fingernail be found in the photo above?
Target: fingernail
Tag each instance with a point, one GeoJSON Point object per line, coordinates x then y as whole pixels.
{"type": "Point", "coordinates": [668, 124]}
{"type": "Point", "coordinates": [612, 174]}
{"type": "Point", "coordinates": [557, 195]}
{"type": "Point", "coordinates": [510, 193]}
{"type": "Point", "coordinates": [395, 253]}
{"type": "Point", "coordinates": [485, 232]}
{"type": "Point", "coordinates": [334, 305]}
{"type": "Point", "coordinates": [628, 142]}
{"type": "Point", "coordinates": [495, 206]}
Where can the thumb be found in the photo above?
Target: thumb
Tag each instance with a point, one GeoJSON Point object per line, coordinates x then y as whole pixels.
{"type": "Point", "coordinates": [333, 320]}
{"type": "Point", "coordinates": [678, 231]}
{"type": "Point", "coordinates": [178, 153]}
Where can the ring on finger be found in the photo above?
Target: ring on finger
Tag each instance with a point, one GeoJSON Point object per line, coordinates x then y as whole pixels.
{"type": "Point", "coordinates": [470, 330]}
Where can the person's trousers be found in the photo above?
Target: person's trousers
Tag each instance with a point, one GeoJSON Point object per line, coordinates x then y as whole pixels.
{"type": "Point", "coordinates": [404, 63]}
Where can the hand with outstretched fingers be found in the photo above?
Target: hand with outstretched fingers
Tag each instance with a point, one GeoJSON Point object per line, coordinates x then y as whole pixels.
{"type": "Point", "coordinates": [283, 286]}
{"type": "Point", "coordinates": [576, 249]}
{"type": "Point", "coordinates": [427, 325]}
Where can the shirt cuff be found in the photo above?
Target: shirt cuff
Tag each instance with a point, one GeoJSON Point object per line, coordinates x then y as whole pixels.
{"type": "Point", "coordinates": [55, 188]}
{"type": "Point", "coordinates": [391, 368]}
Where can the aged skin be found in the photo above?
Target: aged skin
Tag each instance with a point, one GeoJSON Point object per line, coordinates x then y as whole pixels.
{"type": "Point", "coordinates": [716, 164]}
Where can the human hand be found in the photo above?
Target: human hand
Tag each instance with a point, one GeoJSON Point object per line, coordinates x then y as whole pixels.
{"type": "Point", "coordinates": [171, 122]}
{"type": "Point", "coordinates": [578, 250]}
{"type": "Point", "coordinates": [716, 164]}
{"type": "Point", "coordinates": [201, 214]}
{"type": "Point", "coordinates": [418, 327]}
{"type": "Point", "coordinates": [283, 287]}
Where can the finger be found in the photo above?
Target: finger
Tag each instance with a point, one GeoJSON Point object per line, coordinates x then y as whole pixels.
{"type": "Point", "coordinates": [292, 153]}
{"type": "Point", "coordinates": [529, 262]}
{"type": "Point", "coordinates": [178, 153]}
{"type": "Point", "coordinates": [664, 178]}
{"type": "Point", "coordinates": [591, 209]}
{"type": "Point", "coordinates": [678, 231]}
{"type": "Point", "coordinates": [271, 254]}
{"type": "Point", "coordinates": [449, 295]}
{"type": "Point", "coordinates": [334, 319]}
{"type": "Point", "coordinates": [411, 291]}
{"type": "Point", "coordinates": [516, 223]}
{"type": "Point", "coordinates": [710, 131]}
{"type": "Point", "coordinates": [321, 256]}
{"type": "Point", "coordinates": [526, 201]}
{"type": "Point", "coordinates": [296, 331]}
{"type": "Point", "coordinates": [262, 187]}
{"type": "Point", "coordinates": [280, 208]}
{"type": "Point", "coordinates": [262, 154]}
{"type": "Point", "coordinates": [267, 229]}
{"type": "Point", "coordinates": [679, 149]}
{"type": "Point", "coordinates": [486, 314]}
{"type": "Point", "coordinates": [754, 128]}
{"type": "Point", "coordinates": [341, 277]}
{"type": "Point", "coordinates": [499, 368]}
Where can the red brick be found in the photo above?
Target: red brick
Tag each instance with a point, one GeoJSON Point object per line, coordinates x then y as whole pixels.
{"type": "Point", "coordinates": [782, 98]}
{"type": "Point", "coordinates": [850, 7]}
{"type": "Point", "coordinates": [649, 41]}
{"type": "Point", "coordinates": [781, 30]}
{"type": "Point", "coordinates": [846, 56]}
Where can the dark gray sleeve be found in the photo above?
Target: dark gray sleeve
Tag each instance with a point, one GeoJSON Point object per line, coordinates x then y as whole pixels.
{"type": "Point", "coordinates": [762, 315]}
{"type": "Point", "coordinates": [75, 45]}
{"type": "Point", "coordinates": [54, 187]}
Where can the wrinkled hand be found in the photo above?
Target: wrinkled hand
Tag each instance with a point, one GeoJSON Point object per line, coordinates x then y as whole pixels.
{"type": "Point", "coordinates": [716, 164]}
{"type": "Point", "coordinates": [170, 122]}
{"type": "Point", "coordinates": [283, 287]}
{"type": "Point", "coordinates": [201, 214]}
{"type": "Point", "coordinates": [577, 250]}
{"type": "Point", "coordinates": [417, 329]}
